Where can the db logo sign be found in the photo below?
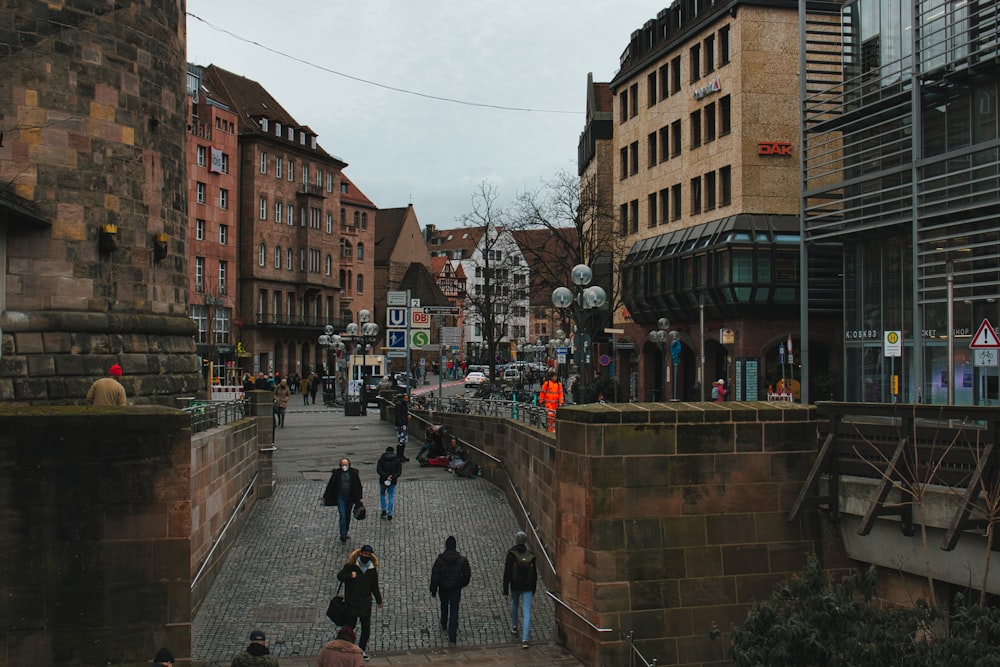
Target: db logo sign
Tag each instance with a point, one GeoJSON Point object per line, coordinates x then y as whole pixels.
{"type": "Point", "coordinates": [774, 148]}
{"type": "Point", "coordinates": [420, 319]}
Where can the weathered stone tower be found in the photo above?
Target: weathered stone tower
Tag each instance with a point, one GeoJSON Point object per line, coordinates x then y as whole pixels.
{"type": "Point", "coordinates": [93, 200]}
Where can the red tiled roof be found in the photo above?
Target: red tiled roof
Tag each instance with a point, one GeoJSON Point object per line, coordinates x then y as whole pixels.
{"type": "Point", "coordinates": [354, 195]}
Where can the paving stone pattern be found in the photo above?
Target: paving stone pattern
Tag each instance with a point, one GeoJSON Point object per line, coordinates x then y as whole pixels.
{"type": "Point", "coordinates": [281, 572]}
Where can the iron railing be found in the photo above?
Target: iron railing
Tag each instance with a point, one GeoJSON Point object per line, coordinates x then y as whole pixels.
{"type": "Point", "coordinates": [533, 415]}
{"type": "Point", "coordinates": [206, 415]}
{"type": "Point", "coordinates": [634, 653]}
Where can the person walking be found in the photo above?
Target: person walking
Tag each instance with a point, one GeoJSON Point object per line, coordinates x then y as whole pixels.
{"type": "Point", "coordinates": [281, 396]}
{"type": "Point", "coordinates": [389, 468]}
{"type": "Point", "coordinates": [449, 575]}
{"type": "Point", "coordinates": [108, 391]}
{"type": "Point", "coordinates": [314, 383]}
{"type": "Point", "coordinates": [305, 387]}
{"type": "Point", "coordinates": [520, 578]}
{"type": "Point", "coordinates": [719, 391]}
{"type": "Point", "coordinates": [341, 652]}
{"type": "Point", "coordinates": [256, 654]}
{"type": "Point", "coordinates": [402, 425]}
{"type": "Point", "coordinates": [344, 491]}
{"type": "Point", "coordinates": [551, 397]}
{"type": "Point", "coordinates": [293, 383]}
{"type": "Point", "coordinates": [360, 578]}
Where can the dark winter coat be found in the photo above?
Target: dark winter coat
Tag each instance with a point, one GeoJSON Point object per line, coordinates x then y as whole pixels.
{"type": "Point", "coordinates": [451, 571]}
{"type": "Point", "coordinates": [359, 590]}
{"type": "Point", "coordinates": [333, 487]}
{"type": "Point", "coordinates": [402, 412]}
{"type": "Point", "coordinates": [508, 567]}
{"type": "Point", "coordinates": [388, 466]}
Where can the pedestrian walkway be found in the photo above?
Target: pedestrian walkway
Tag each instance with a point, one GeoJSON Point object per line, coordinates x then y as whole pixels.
{"type": "Point", "coordinates": [281, 571]}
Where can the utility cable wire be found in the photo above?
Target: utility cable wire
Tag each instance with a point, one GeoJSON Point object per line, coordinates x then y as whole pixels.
{"type": "Point", "coordinates": [374, 83]}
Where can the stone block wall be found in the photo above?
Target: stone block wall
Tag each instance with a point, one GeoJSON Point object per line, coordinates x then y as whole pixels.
{"type": "Point", "coordinates": [673, 520]}
{"type": "Point", "coordinates": [96, 535]}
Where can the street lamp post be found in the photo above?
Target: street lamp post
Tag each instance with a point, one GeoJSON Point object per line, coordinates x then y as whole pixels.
{"type": "Point", "coordinates": [365, 336]}
{"type": "Point", "coordinates": [585, 299]}
{"type": "Point", "coordinates": [661, 335]}
{"type": "Point", "coordinates": [335, 344]}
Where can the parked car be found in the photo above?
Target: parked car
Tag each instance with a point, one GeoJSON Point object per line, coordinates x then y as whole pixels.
{"type": "Point", "coordinates": [475, 378]}
{"type": "Point", "coordinates": [371, 389]}
{"type": "Point", "coordinates": [511, 376]}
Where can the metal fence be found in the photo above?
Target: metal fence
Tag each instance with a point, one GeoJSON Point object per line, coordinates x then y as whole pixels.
{"type": "Point", "coordinates": [207, 415]}
{"type": "Point", "coordinates": [533, 415]}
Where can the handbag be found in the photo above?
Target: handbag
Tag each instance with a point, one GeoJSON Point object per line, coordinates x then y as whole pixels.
{"type": "Point", "coordinates": [338, 610]}
{"type": "Point", "coordinates": [360, 512]}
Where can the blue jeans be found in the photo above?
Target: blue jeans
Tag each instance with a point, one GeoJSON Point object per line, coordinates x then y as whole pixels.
{"type": "Point", "coordinates": [449, 611]}
{"type": "Point", "coordinates": [345, 506]}
{"type": "Point", "coordinates": [524, 597]}
{"type": "Point", "coordinates": [387, 497]}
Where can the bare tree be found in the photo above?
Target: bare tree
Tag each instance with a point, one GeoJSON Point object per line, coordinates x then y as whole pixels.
{"type": "Point", "coordinates": [496, 294]}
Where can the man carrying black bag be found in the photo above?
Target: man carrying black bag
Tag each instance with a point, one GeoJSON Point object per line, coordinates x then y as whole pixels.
{"type": "Point", "coordinates": [360, 578]}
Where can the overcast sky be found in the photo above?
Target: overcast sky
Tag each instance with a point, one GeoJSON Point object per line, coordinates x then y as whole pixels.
{"type": "Point", "coordinates": [403, 147]}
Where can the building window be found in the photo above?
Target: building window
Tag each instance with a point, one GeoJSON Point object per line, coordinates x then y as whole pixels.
{"type": "Point", "coordinates": [664, 205]}
{"type": "Point", "coordinates": [361, 251]}
{"type": "Point", "coordinates": [361, 284]}
{"type": "Point", "coordinates": [223, 269]}
{"type": "Point", "coordinates": [651, 149]}
{"type": "Point", "coordinates": [343, 217]}
{"type": "Point", "coordinates": [302, 259]}
{"type": "Point", "coordinates": [710, 191]}
{"type": "Point", "coordinates": [675, 201]}
{"type": "Point", "coordinates": [223, 198]}
{"type": "Point", "coordinates": [343, 187]}
{"type": "Point", "coordinates": [695, 62]}
{"type": "Point", "coordinates": [202, 152]}
{"type": "Point", "coordinates": [199, 273]}
{"type": "Point", "coordinates": [329, 264]}
{"type": "Point", "coordinates": [289, 259]}
{"type": "Point", "coordinates": [633, 215]}
{"type": "Point", "coordinates": [319, 179]}
{"type": "Point", "coordinates": [725, 116]}
{"type": "Point", "coordinates": [291, 169]}
{"type": "Point", "coordinates": [329, 182]}
{"type": "Point", "coordinates": [623, 219]}
{"type": "Point", "coordinates": [726, 185]}
{"type": "Point", "coordinates": [710, 122]}
{"type": "Point", "coordinates": [305, 174]}
{"type": "Point", "coordinates": [695, 129]}
{"type": "Point", "coordinates": [290, 214]}
{"type": "Point", "coordinates": [723, 45]}
{"type": "Point", "coordinates": [634, 101]}
{"type": "Point", "coordinates": [696, 195]}
{"type": "Point", "coordinates": [357, 219]}
{"type": "Point", "coordinates": [200, 193]}
{"type": "Point", "coordinates": [664, 82]}
{"type": "Point", "coordinates": [651, 98]}
{"type": "Point", "coordinates": [651, 204]}
{"type": "Point", "coordinates": [634, 157]}
{"type": "Point", "coordinates": [263, 162]}
{"type": "Point", "coordinates": [277, 256]}
{"type": "Point", "coordinates": [675, 75]}
{"type": "Point", "coordinates": [199, 229]}
{"type": "Point", "coordinates": [623, 155]}
{"type": "Point", "coordinates": [263, 208]}
{"type": "Point", "coordinates": [675, 138]}
{"type": "Point", "coordinates": [709, 54]}
{"type": "Point", "coordinates": [664, 143]}
{"type": "Point", "coordinates": [364, 221]}
{"type": "Point", "coordinates": [261, 255]}
{"type": "Point", "coordinates": [623, 106]}
{"type": "Point", "coordinates": [329, 223]}
{"type": "Point", "coordinates": [277, 167]}
{"type": "Point", "coordinates": [223, 234]}
{"type": "Point", "coordinates": [277, 212]}
{"type": "Point", "coordinates": [224, 163]}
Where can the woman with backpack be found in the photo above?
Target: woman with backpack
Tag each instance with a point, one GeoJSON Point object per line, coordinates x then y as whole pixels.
{"type": "Point", "coordinates": [520, 577]}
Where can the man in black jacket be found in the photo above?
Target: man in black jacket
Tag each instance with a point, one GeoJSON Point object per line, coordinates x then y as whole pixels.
{"type": "Point", "coordinates": [520, 578]}
{"type": "Point", "coordinates": [389, 468]}
{"type": "Point", "coordinates": [450, 574]}
{"type": "Point", "coordinates": [344, 491]}
{"type": "Point", "coordinates": [360, 577]}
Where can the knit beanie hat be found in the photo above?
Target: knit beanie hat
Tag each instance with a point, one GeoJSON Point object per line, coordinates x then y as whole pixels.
{"type": "Point", "coordinates": [450, 543]}
{"type": "Point", "coordinates": [520, 537]}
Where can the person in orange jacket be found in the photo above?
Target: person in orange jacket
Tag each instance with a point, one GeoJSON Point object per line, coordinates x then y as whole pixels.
{"type": "Point", "coordinates": [551, 396]}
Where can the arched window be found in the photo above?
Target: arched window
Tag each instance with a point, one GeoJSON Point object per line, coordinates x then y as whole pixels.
{"type": "Point", "coordinates": [288, 259]}
{"type": "Point", "coordinates": [277, 256]}
{"type": "Point", "coordinates": [364, 221]}
{"type": "Point", "coordinates": [361, 251]}
{"type": "Point", "coordinates": [357, 218]}
{"type": "Point", "coordinates": [262, 255]}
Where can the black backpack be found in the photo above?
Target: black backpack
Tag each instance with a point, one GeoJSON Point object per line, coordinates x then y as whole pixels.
{"type": "Point", "coordinates": [522, 571]}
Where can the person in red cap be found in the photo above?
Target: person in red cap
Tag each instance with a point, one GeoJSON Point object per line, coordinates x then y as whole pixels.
{"type": "Point", "coordinates": [108, 390]}
{"type": "Point", "coordinates": [341, 652]}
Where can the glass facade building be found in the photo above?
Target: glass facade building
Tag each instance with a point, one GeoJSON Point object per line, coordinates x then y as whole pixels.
{"type": "Point", "coordinates": [901, 170]}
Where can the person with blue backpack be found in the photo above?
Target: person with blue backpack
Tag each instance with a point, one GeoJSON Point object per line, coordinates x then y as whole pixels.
{"type": "Point", "coordinates": [520, 578]}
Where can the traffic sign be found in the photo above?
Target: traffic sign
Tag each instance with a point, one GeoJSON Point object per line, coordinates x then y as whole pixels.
{"type": "Point", "coordinates": [443, 310]}
{"type": "Point", "coordinates": [893, 343]}
{"type": "Point", "coordinates": [985, 357]}
{"type": "Point", "coordinates": [396, 339]}
{"type": "Point", "coordinates": [419, 319]}
{"type": "Point", "coordinates": [985, 338]}
{"type": "Point", "coordinates": [420, 339]}
{"type": "Point", "coordinates": [395, 318]}
{"type": "Point", "coordinates": [396, 298]}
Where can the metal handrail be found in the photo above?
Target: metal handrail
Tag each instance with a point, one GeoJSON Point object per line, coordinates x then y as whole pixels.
{"type": "Point", "coordinates": [636, 652]}
{"type": "Point", "coordinates": [218, 540]}
{"type": "Point", "coordinates": [577, 614]}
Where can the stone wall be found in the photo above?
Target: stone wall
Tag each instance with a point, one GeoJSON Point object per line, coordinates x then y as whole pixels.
{"type": "Point", "coordinates": [96, 507]}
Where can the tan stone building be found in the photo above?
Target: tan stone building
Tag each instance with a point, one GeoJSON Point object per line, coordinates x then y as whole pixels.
{"type": "Point", "coordinates": [706, 187]}
{"type": "Point", "coordinates": [304, 229]}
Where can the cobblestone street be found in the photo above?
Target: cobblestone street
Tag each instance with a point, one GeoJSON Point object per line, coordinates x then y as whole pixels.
{"type": "Point", "coordinates": [281, 572]}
